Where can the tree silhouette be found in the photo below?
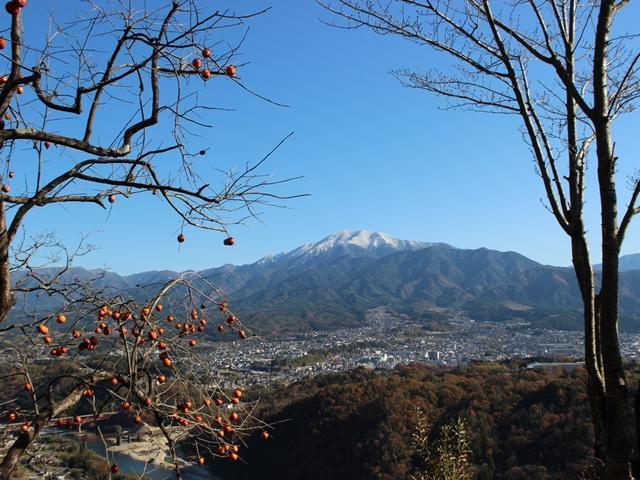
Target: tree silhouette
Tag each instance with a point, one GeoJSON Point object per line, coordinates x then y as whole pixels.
{"type": "Point", "coordinates": [565, 70]}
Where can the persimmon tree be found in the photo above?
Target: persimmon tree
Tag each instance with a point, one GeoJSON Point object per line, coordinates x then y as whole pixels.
{"type": "Point", "coordinates": [85, 361]}
{"type": "Point", "coordinates": [567, 71]}
{"type": "Point", "coordinates": [105, 108]}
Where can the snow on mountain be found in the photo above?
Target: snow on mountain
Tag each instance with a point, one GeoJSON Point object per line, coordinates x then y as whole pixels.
{"type": "Point", "coordinates": [355, 243]}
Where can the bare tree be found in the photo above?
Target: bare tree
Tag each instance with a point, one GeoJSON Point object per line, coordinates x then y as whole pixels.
{"type": "Point", "coordinates": [561, 68]}
{"type": "Point", "coordinates": [144, 78]}
{"type": "Point", "coordinates": [114, 94]}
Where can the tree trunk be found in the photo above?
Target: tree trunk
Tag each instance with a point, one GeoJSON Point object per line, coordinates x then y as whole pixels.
{"type": "Point", "coordinates": [22, 443]}
{"type": "Point", "coordinates": [7, 299]}
{"type": "Point", "coordinates": [618, 454]}
{"type": "Point", "coordinates": [618, 436]}
{"type": "Point", "coordinates": [593, 361]}
{"type": "Point", "coordinates": [48, 410]}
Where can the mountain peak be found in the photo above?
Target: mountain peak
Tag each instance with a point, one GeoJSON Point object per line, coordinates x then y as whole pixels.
{"type": "Point", "coordinates": [355, 243]}
{"type": "Point", "coordinates": [359, 238]}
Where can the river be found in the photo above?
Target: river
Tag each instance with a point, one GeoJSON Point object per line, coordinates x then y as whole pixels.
{"type": "Point", "coordinates": [130, 466]}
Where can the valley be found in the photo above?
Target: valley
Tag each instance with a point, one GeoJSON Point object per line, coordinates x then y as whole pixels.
{"type": "Point", "coordinates": [363, 302]}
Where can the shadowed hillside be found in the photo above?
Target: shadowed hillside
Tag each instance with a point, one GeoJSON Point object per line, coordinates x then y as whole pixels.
{"type": "Point", "coordinates": [522, 424]}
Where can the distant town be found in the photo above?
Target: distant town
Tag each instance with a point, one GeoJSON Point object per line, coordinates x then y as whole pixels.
{"type": "Point", "coordinates": [388, 340]}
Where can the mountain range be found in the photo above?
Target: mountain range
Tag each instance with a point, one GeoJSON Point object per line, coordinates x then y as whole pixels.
{"type": "Point", "coordinates": [332, 283]}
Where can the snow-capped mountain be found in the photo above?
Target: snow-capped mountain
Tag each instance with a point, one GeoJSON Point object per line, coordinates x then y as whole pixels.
{"type": "Point", "coordinates": [353, 243]}
{"type": "Point", "coordinates": [335, 281]}
{"type": "Point", "coordinates": [349, 244]}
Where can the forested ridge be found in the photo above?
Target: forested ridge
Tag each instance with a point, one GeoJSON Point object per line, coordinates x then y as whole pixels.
{"type": "Point", "coordinates": [521, 423]}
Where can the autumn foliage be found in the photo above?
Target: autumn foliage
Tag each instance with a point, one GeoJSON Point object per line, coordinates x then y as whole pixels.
{"type": "Point", "coordinates": [520, 424]}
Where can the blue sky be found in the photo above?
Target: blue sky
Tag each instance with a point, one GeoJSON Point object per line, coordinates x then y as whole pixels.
{"type": "Point", "coordinates": [374, 155]}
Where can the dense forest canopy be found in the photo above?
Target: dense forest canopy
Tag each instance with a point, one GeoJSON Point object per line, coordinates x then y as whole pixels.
{"type": "Point", "coordinates": [521, 423]}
